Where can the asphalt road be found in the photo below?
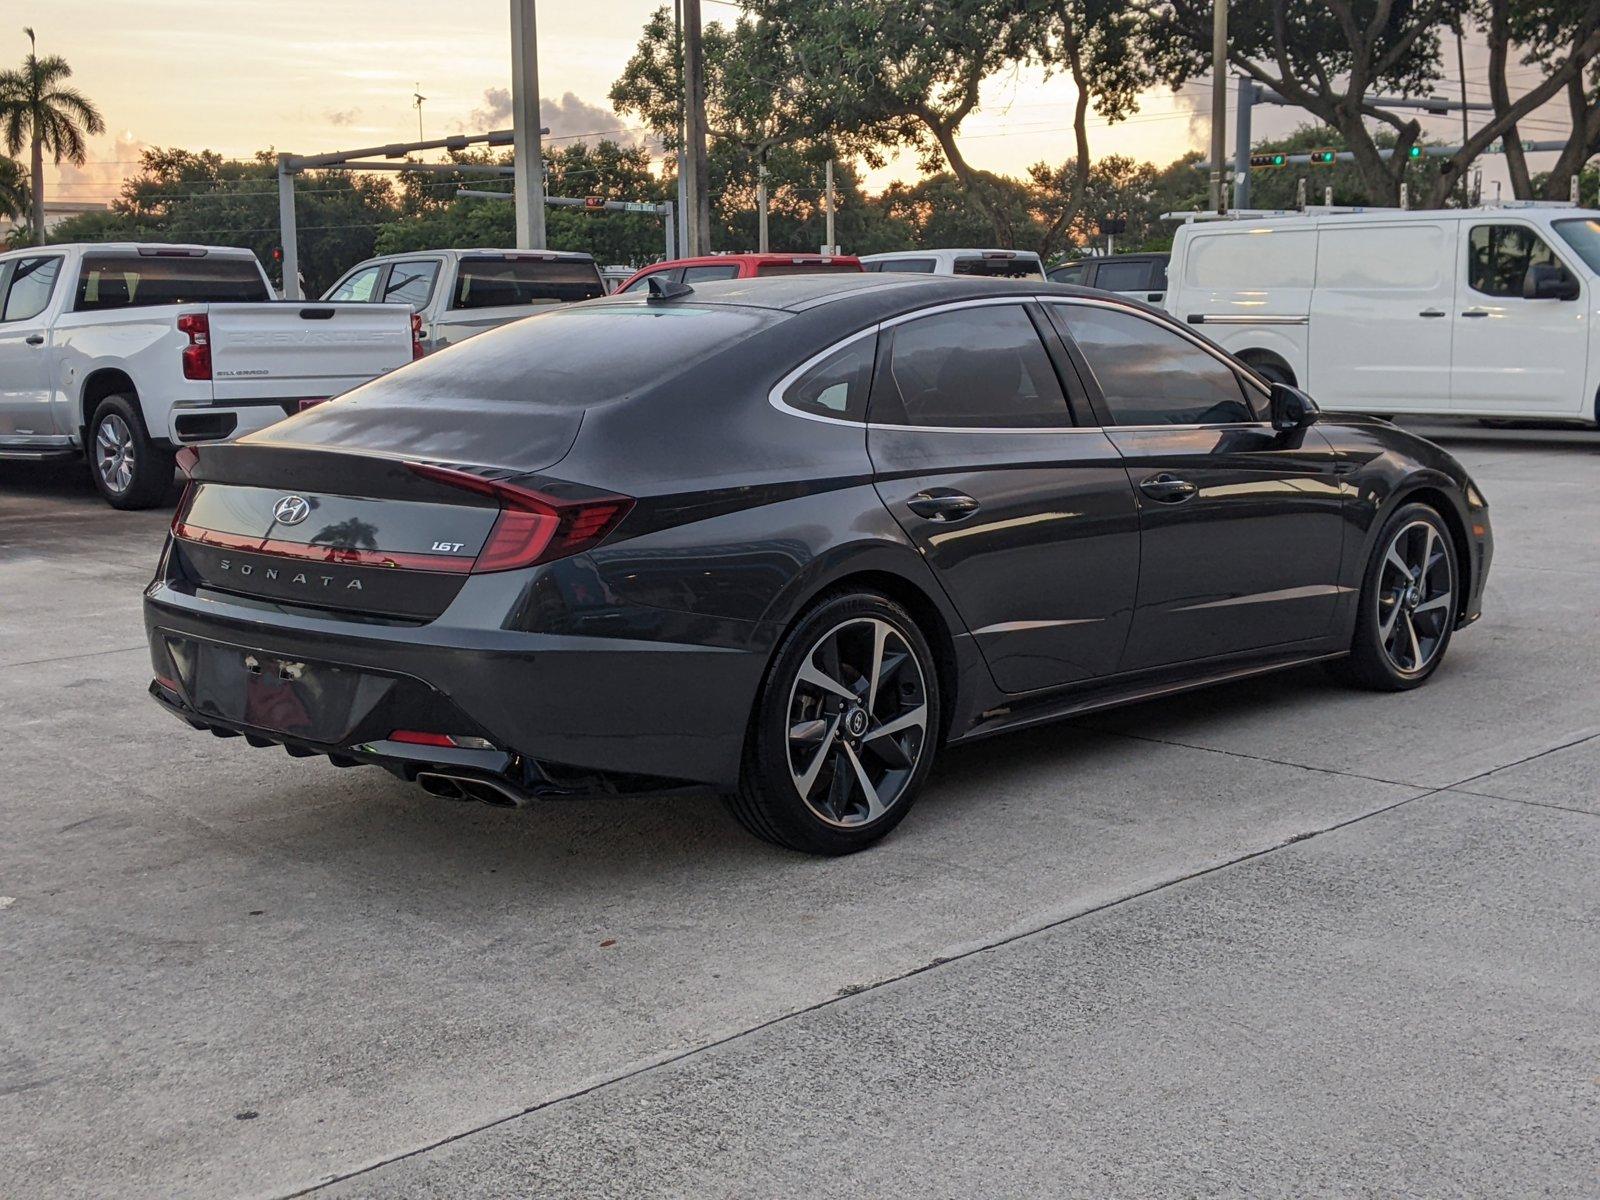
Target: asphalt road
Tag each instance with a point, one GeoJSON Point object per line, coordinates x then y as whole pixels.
{"type": "Point", "coordinates": [1273, 939]}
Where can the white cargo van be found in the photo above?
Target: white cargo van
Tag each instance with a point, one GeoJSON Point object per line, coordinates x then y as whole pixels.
{"type": "Point", "coordinates": [995, 264]}
{"type": "Point", "coordinates": [1483, 312]}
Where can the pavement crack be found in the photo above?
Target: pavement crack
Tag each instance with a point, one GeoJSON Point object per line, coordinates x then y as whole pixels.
{"type": "Point", "coordinates": [853, 991]}
{"type": "Point", "coordinates": [1566, 808]}
{"type": "Point", "coordinates": [1278, 762]}
{"type": "Point", "coordinates": [1577, 741]}
{"type": "Point", "coordinates": [37, 662]}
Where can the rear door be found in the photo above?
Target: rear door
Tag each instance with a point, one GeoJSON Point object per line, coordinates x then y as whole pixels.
{"type": "Point", "coordinates": [1241, 527]}
{"type": "Point", "coordinates": [1515, 355]}
{"type": "Point", "coordinates": [1382, 316]}
{"type": "Point", "coordinates": [1027, 520]}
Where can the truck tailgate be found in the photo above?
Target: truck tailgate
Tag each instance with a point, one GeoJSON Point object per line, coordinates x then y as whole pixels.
{"type": "Point", "coordinates": [295, 349]}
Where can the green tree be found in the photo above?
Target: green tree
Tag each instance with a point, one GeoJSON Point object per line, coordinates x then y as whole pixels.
{"type": "Point", "coordinates": [15, 200]}
{"type": "Point", "coordinates": [189, 196]}
{"type": "Point", "coordinates": [938, 210]}
{"type": "Point", "coordinates": [38, 109]}
{"type": "Point", "coordinates": [903, 73]}
{"type": "Point", "coordinates": [1549, 33]}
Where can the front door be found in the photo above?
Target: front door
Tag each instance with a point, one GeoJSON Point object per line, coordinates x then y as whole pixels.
{"type": "Point", "coordinates": [1241, 526]}
{"type": "Point", "coordinates": [27, 408]}
{"type": "Point", "coordinates": [1028, 521]}
{"type": "Point", "coordinates": [1514, 355]}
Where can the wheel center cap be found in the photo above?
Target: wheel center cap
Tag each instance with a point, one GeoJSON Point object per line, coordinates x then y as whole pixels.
{"type": "Point", "coordinates": [855, 722]}
{"type": "Point", "coordinates": [1411, 597]}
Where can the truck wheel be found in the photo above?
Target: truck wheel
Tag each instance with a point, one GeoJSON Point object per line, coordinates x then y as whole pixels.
{"type": "Point", "coordinates": [130, 470]}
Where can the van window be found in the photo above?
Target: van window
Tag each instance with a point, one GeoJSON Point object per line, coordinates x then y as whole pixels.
{"type": "Point", "coordinates": [978, 367]}
{"type": "Point", "coordinates": [1251, 260]}
{"type": "Point", "coordinates": [1498, 256]}
{"type": "Point", "coordinates": [1151, 375]}
{"type": "Point", "coordinates": [1583, 235]}
{"type": "Point", "coordinates": [1410, 257]}
{"type": "Point", "coordinates": [32, 284]}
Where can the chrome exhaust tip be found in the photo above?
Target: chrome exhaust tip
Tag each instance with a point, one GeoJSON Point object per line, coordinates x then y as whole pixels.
{"type": "Point", "coordinates": [440, 785]}
{"type": "Point", "coordinates": [468, 787]}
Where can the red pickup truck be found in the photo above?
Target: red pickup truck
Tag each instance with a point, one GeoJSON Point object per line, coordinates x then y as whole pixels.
{"type": "Point", "coordinates": [740, 266]}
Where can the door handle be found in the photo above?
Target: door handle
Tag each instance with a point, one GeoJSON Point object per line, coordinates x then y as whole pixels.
{"type": "Point", "coordinates": [35, 339]}
{"type": "Point", "coordinates": [1433, 312]}
{"type": "Point", "coordinates": [1168, 489]}
{"type": "Point", "coordinates": [943, 505]}
{"type": "Point", "coordinates": [1476, 312]}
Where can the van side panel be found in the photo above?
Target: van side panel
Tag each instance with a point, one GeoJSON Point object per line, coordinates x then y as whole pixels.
{"type": "Point", "coordinates": [1247, 286]}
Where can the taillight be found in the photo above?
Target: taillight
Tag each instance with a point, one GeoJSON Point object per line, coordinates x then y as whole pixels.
{"type": "Point", "coordinates": [416, 337]}
{"type": "Point", "coordinates": [197, 354]}
{"type": "Point", "coordinates": [534, 527]}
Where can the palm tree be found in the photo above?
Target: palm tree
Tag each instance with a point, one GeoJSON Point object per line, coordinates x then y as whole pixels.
{"type": "Point", "coordinates": [14, 199]}
{"type": "Point", "coordinates": [36, 107]}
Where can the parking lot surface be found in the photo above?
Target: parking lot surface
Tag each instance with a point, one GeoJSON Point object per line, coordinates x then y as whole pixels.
{"type": "Point", "coordinates": [1279, 938]}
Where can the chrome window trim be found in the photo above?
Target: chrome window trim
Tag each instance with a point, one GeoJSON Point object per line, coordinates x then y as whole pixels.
{"type": "Point", "coordinates": [776, 396]}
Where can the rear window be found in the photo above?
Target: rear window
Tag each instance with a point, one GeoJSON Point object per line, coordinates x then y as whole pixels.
{"type": "Point", "coordinates": [806, 268]}
{"type": "Point", "coordinates": [912, 266]}
{"type": "Point", "coordinates": [572, 358]}
{"type": "Point", "coordinates": [139, 281]}
{"type": "Point", "coordinates": [505, 282]}
{"type": "Point", "coordinates": [1020, 267]}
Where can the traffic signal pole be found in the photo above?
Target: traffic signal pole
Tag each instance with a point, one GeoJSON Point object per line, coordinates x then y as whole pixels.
{"type": "Point", "coordinates": [1219, 105]}
{"type": "Point", "coordinates": [529, 153]}
{"type": "Point", "coordinates": [1245, 101]}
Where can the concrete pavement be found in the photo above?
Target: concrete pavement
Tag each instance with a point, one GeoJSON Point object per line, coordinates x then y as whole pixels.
{"type": "Point", "coordinates": [226, 972]}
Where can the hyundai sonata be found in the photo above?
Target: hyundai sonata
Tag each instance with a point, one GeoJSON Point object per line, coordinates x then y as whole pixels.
{"type": "Point", "coordinates": [786, 538]}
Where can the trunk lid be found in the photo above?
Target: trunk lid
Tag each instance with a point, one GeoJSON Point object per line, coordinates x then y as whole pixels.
{"type": "Point", "coordinates": [294, 350]}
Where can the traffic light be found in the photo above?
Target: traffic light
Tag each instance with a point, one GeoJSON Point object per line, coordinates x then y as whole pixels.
{"type": "Point", "coordinates": [594, 203]}
{"type": "Point", "coordinates": [1268, 160]}
{"type": "Point", "coordinates": [1323, 157]}
{"type": "Point", "coordinates": [1414, 152]}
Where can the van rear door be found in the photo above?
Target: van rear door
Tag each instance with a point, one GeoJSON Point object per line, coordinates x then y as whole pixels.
{"type": "Point", "coordinates": [1382, 316]}
{"type": "Point", "coordinates": [313, 350]}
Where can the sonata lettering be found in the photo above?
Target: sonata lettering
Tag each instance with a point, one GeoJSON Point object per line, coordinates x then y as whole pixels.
{"type": "Point", "coordinates": [299, 577]}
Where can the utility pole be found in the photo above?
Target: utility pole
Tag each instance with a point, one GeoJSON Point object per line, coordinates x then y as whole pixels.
{"type": "Point", "coordinates": [1219, 103]}
{"type": "Point", "coordinates": [827, 205]}
{"type": "Point", "coordinates": [761, 200]}
{"type": "Point", "coordinates": [416, 102]}
{"type": "Point", "coordinates": [679, 247]}
{"type": "Point", "coordinates": [288, 235]}
{"type": "Point", "coordinates": [1243, 104]}
{"type": "Point", "coordinates": [529, 174]}
{"type": "Point", "coordinates": [697, 220]}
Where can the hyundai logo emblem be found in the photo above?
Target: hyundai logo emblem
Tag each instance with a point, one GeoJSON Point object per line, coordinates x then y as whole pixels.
{"type": "Point", "coordinates": [291, 510]}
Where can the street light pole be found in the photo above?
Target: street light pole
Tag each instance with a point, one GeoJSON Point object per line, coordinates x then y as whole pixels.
{"type": "Point", "coordinates": [1219, 104]}
{"type": "Point", "coordinates": [529, 174]}
{"type": "Point", "coordinates": [697, 199]}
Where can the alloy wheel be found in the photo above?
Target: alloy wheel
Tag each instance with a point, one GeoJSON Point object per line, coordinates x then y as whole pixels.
{"type": "Point", "coordinates": [1415, 596]}
{"type": "Point", "coordinates": [858, 722]}
{"type": "Point", "coordinates": [114, 453]}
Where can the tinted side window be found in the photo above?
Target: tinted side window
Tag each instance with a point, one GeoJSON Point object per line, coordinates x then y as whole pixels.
{"type": "Point", "coordinates": [1123, 276]}
{"type": "Point", "coordinates": [838, 385]}
{"type": "Point", "coordinates": [31, 286]}
{"type": "Point", "coordinates": [913, 266]}
{"type": "Point", "coordinates": [719, 271]}
{"type": "Point", "coordinates": [1498, 256]}
{"type": "Point", "coordinates": [1151, 375]}
{"type": "Point", "coordinates": [359, 286]}
{"type": "Point", "coordinates": [1076, 273]}
{"type": "Point", "coordinates": [411, 282]}
{"type": "Point", "coordinates": [972, 367]}
{"type": "Point", "coordinates": [642, 284]}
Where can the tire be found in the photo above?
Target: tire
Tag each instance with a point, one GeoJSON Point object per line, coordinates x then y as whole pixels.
{"type": "Point", "coordinates": [1404, 622]}
{"type": "Point", "coordinates": [130, 469]}
{"type": "Point", "coordinates": [1272, 370]}
{"type": "Point", "coordinates": [814, 799]}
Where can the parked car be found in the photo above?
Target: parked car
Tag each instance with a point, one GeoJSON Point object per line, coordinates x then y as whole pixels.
{"type": "Point", "coordinates": [787, 542]}
{"type": "Point", "coordinates": [1142, 276]}
{"type": "Point", "coordinates": [126, 351]}
{"type": "Point", "coordinates": [1484, 312]}
{"type": "Point", "coordinates": [459, 293]}
{"type": "Point", "coordinates": [993, 264]}
{"type": "Point", "coordinates": [740, 266]}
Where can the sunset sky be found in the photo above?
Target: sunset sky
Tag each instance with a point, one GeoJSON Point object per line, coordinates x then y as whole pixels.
{"type": "Point", "coordinates": [238, 76]}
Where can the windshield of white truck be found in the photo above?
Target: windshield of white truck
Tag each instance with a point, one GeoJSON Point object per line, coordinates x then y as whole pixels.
{"type": "Point", "coordinates": [501, 282]}
{"type": "Point", "coordinates": [138, 281]}
{"type": "Point", "coordinates": [1584, 237]}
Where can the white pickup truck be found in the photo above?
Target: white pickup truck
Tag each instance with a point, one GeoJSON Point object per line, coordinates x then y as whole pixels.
{"type": "Point", "coordinates": [123, 352]}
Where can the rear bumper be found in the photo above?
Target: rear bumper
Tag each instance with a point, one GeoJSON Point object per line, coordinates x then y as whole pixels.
{"type": "Point", "coordinates": [564, 713]}
{"type": "Point", "coordinates": [220, 421]}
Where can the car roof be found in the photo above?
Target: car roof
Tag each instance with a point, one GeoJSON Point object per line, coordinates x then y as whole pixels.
{"type": "Point", "coordinates": [474, 251]}
{"type": "Point", "coordinates": [135, 247]}
{"type": "Point", "coordinates": [1313, 218]}
{"type": "Point", "coordinates": [995, 250]}
{"type": "Point", "coordinates": [703, 260]}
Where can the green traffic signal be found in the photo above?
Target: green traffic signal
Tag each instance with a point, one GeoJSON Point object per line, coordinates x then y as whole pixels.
{"type": "Point", "coordinates": [1322, 156]}
{"type": "Point", "coordinates": [1414, 152]}
{"type": "Point", "coordinates": [1268, 160]}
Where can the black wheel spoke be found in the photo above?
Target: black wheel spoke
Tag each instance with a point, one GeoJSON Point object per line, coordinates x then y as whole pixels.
{"type": "Point", "coordinates": [1415, 596]}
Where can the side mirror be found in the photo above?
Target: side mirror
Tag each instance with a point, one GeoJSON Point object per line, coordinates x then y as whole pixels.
{"type": "Point", "coordinates": [1291, 408]}
{"type": "Point", "coordinates": [1546, 281]}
